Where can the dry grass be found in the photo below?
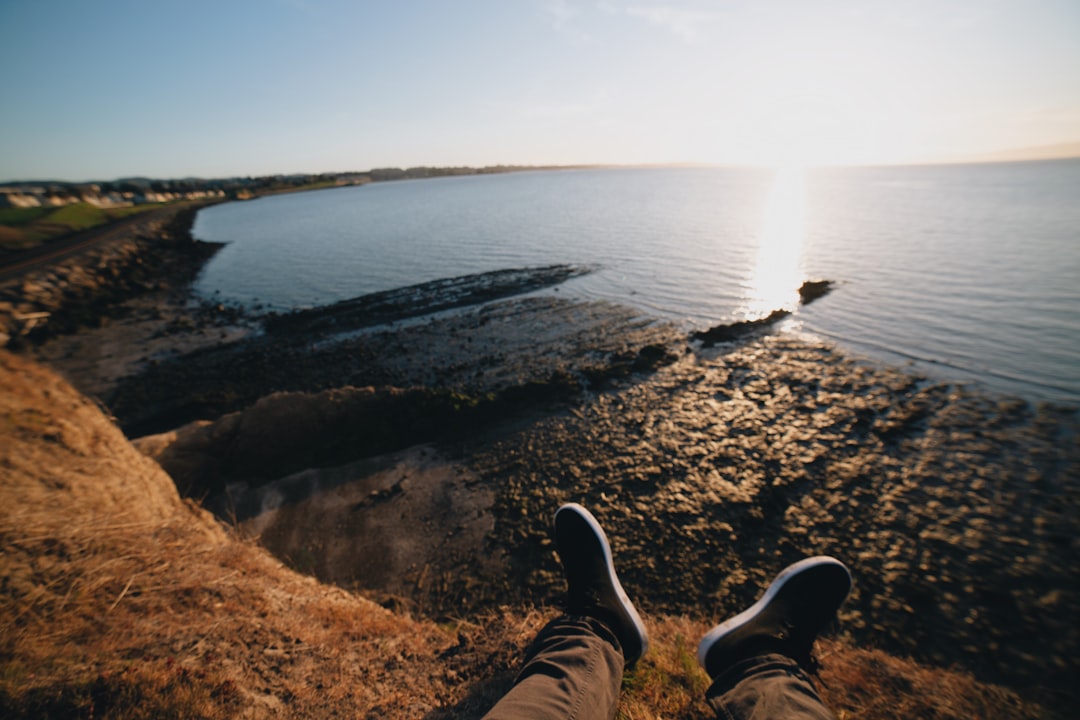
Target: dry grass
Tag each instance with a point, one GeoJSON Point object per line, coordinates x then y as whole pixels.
{"type": "Point", "coordinates": [121, 601]}
{"type": "Point", "coordinates": [101, 617]}
{"type": "Point", "coordinates": [134, 622]}
{"type": "Point", "coordinates": [859, 683]}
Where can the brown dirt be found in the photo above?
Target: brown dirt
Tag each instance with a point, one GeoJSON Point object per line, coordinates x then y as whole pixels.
{"type": "Point", "coordinates": [125, 601]}
{"type": "Point", "coordinates": [956, 511]}
{"type": "Point", "coordinates": [111, 579]}
{"type": "Point", "coordinates": [151, 329]}
{"type": "Point", "coordinates": [477, 351]}
{"type": "Point", "coordinates": [392, 531]}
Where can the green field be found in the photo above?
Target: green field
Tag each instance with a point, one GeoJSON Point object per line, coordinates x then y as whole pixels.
{"type": "Point", "coordinates": [79, 216]}
{"type": "Point", "coordinates": [24, 228]}
{"type": "Point", "coordinates": [14, 217]}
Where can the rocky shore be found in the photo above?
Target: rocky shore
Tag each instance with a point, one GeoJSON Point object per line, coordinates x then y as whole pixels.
{"type": "Point", "coordinates": [126, 601]}
{"type": "Point", "coordinates": [152, 255]}
{"type": "Point", "coordinates": [419, 461]}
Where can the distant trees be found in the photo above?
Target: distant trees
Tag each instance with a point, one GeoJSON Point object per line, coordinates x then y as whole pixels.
{"type": "Point", "coordinates": [142, 189]}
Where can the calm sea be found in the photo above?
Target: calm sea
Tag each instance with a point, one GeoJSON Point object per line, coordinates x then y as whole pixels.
{"type": "Point", "coordinates": [971, 272]}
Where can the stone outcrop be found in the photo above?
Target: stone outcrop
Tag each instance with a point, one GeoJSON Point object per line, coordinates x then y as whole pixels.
{"type": "Point", "coordinates": [737, 330]}
{"type": "Point", "coordinates": [154, 255]}
{"type": "Point", "coordinates": [811, 290]}
{"type": "Point", "coordinates": [381, 308]}
{"type": "Point", "coordinates": [289, 431]}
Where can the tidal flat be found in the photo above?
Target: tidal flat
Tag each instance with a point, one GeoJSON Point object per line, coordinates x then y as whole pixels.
{"type": "Point", "coordinates": [711, 468]}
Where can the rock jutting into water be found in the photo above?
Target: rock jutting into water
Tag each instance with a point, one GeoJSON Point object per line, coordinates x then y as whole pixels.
{"type": "Point", "coordinates": [489, 349]}
{"type": "Point", "coordinates": [737, 330]}
{"type": "Point", "coordinates": [811, 290]}
{"type": "Point", "coordinates": [423, 299]}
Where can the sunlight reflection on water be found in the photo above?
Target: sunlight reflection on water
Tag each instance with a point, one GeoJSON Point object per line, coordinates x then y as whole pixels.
{"type": "Point", "coordinates": [970, 271]}
{"type": "Point", "coordinates": [778, 269]}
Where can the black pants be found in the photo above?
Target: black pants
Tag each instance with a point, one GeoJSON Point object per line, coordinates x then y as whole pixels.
{"type": "Point", "coordinates": [573, 671]}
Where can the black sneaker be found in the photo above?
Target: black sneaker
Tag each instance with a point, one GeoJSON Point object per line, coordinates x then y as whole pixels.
{"type": "Point", "coordinates": [593, 588]}
{"type": "Point", "coordinates": [802, 599]}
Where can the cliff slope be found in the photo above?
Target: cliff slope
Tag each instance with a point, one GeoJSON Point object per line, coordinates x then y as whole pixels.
{"type": "Point", "coordinates": [117, 594]}
{"type": "Point", "coordinates": [122, 600]}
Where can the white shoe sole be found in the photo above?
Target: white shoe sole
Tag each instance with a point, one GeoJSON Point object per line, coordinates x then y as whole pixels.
{"type": "Point", "coordinates": [625, 607]}
{"type": "Point", "coordinates": [752, 612]}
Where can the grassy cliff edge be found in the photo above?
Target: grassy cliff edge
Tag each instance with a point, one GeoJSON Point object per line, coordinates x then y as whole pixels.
{"type": "Point", "coordinates": [123, 600]}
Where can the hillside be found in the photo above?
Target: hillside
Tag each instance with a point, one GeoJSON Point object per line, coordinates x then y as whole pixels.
{"type": "Point", "coordinates": [123, 600]}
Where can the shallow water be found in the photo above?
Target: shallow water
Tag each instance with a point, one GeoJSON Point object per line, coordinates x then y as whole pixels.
{"type": "Point", "coordinates": [972, 272]}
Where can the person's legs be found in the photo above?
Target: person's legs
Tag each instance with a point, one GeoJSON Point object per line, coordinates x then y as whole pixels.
{"type": "Point", "coordinates": [767, 686]}
{"type": "Point", "coordinates": [757, 659]}
{"type": "Point", "coordinates": [574, 668]}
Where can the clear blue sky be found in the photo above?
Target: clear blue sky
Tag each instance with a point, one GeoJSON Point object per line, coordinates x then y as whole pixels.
{"type": "Point", "coordinates": [98, 90]}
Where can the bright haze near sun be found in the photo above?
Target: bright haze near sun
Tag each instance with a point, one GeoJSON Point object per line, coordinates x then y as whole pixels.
{"type": "Point", "coordinates": [106, 90]}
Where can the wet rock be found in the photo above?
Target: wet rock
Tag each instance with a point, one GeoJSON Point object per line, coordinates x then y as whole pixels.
{"type": "Point", "coordinates": [737, 330]}
{"type": "Point", "coordinates": [811, 290]}
{"type": "Point", "coordinates": [653, 356]}
{"type": "Point", "coordinates": [706, 493]}
{"type": "Point", "coordinates": [532, 351]}
{"type": "Point", "coordinates": [82, 290]}
{"type": "Point", "coordinates": [424, 299]}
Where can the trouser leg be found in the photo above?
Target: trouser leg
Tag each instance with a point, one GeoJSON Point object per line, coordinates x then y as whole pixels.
{"type": "Point", "coordinates": [572, 671]}
{"type": "Point", "coordinates": [766, 687]}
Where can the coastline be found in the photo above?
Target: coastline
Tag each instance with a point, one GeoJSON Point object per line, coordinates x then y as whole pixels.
{"type": "Point", "coordinates": [714, 466]}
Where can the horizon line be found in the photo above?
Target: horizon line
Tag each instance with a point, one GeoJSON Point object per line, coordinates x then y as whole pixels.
{"type": "Point", "coordinates": [1069, 151]}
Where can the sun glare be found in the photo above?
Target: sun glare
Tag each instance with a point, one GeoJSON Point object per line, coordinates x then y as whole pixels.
{"type": "Point", "coordinates": [802, 109]}
{"type": "Point", "coordinates": [778, 268]}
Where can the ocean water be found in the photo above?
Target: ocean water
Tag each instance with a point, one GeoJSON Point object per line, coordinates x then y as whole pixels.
{"type": "Point", "coordinates": [969, 272]}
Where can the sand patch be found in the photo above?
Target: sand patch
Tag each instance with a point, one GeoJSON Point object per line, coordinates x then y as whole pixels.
{"type": "Point", "coordinates": [395, 526]}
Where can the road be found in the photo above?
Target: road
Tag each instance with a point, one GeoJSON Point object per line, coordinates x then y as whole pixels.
{"type": "Point", "coordinates": [63, 248]}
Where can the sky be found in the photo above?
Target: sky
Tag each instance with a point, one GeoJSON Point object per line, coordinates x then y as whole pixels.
{"type": "Point", "coordinates": [108, 89]}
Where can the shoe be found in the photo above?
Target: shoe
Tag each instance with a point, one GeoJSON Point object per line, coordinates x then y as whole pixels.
{"type": "Point", "coordinates": [802, 599]}
{"type": "Point", "coordinates": [593, 588]}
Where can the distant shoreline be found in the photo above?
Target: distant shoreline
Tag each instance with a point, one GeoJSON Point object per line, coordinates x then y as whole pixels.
{"type": "Point", "coordinates": [1067, 151]}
